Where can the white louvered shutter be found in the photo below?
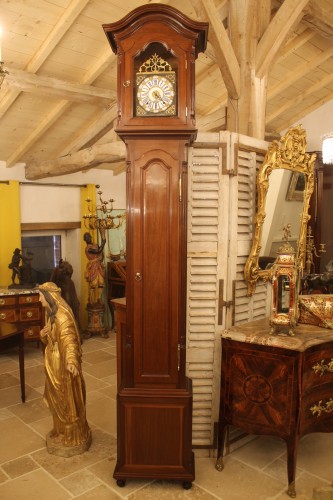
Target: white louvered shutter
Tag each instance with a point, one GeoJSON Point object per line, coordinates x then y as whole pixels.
{"type": "Point", "coordinates": [221, 205]}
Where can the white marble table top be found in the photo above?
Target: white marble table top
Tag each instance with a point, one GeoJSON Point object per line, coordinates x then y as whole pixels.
{"type": "Point", "coordinates": [16, 291]}
{"type": "Point", "coordinates": [258, 332]}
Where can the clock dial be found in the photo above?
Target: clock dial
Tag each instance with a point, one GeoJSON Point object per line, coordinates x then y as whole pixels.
{"type": "Point", "coordinates": [155, 96]}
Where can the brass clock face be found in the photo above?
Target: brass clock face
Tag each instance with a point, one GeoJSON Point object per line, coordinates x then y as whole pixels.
{"type": "Point", "coordinates": [155, 95]}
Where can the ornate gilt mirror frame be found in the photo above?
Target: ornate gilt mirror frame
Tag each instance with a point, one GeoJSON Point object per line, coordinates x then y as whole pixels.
{"type": "Point", "coordinates": [288, 153]}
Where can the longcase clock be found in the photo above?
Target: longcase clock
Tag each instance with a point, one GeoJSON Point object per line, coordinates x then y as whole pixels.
{"type": "Point", "coordinates": [156, 47]}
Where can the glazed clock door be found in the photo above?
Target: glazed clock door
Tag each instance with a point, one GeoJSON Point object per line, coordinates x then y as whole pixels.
{"type": "Point", "coordinates": [155, 91]}
{"type": "Point", "coordinates": [155, 263]}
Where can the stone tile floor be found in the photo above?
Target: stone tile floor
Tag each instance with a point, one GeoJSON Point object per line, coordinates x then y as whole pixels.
{"type": "Point", "coordinates": [254, 470]}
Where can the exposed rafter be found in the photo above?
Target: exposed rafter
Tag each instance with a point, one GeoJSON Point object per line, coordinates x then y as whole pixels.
{"type": "Point", "coordinates": [303, 95]}
{"type": "Point", "coordinates": [288, 15]}
{"type": "Point", "coordinates": [93, 131]}
{"type": "Point", "coordinates": [74, 8]}
{"type": "Point", "coordinates": [224, 53]}
{"type": "Point", "coordinates": [53, 87]}
{"type": "Point", "coordinates": [56, 112]}
{"type": "Point", "coordinates": [300, 72]}
{"type": "Point", "coordinates": [59, 98]}
{"type": "Point", "coordinates": [76, 162]}
{"type": "Point", "coordinates": [319, 20]}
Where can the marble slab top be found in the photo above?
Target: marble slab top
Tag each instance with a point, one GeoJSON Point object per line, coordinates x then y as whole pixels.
{"type": "Point", "coordinates": [119, 302]}
{"type": "Point", "coordinates": [17, 291]}
{"type": "Point", "coordinates": [258, 332]}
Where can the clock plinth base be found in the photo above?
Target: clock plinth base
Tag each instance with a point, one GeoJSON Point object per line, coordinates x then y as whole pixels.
{"type": "Point", "coordinates": [155, 435]}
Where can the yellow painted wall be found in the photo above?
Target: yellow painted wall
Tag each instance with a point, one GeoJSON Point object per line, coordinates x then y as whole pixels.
{"type": "Point", "coordinates": [10, 227]}
{"type": "Point", "coordinates": [86, 192]}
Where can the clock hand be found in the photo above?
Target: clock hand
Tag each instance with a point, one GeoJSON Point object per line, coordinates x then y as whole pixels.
{"type": "Point", "coordinates": [157, 96]}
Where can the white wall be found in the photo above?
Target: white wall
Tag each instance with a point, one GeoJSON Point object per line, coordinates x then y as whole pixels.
{"type": "Point", "coordinates": [58, 204]}
{"type": "Point", "coordinates": [316, 124]}
{"type": "Point", "coordinates": [62, 204]}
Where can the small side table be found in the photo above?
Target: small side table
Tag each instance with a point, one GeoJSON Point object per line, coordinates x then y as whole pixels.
{"type": "Point", "coordinates": [276, 385]}
{"type": "Point", "coordinates": [11, 336]}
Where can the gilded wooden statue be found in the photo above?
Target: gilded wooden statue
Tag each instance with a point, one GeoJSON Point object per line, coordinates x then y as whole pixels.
{"type": "Point", "coordinates": [65, 391]}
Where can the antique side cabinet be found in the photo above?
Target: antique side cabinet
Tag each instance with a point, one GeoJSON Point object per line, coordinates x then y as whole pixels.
{"type": "Point", "coordinates": [156, 46]}
{"type": "Point", "coordinates": [276, 385]}
{"type": "Point", "coordinates": [22, 307]}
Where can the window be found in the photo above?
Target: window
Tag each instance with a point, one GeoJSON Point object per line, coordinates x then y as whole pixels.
{"type": "Point", "coordinates": [44, 252]}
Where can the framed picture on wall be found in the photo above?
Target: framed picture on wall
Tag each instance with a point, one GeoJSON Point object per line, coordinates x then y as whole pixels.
{"type": "Point", "coordinates": [296, 187]}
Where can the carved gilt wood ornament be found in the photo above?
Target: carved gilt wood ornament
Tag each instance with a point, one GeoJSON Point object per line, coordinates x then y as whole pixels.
{"type": "Point", "coordinates": [288, 153]}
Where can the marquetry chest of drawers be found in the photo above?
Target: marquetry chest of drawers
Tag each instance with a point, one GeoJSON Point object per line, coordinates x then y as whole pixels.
{"type": "Point", "coordinates": [276, 385]}
{"type": "Point", "coordinates": [22, 307]}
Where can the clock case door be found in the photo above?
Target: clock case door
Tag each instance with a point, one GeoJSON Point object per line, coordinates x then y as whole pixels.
{"type": "Point", "coordinates": [156, 258]}
{"type": "Point", "coordinates": [155, 397]}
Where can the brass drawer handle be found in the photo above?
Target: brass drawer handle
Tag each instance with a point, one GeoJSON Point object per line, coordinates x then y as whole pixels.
{"type": "Point", "coordinates": [322, 368]}
{"type": "Point", "coordinates": [2, 302]}
{"type": "Point", "coordinates": [319, 408]}
{"type": "Point", "coordinates": [30, 332]}
{"type": "Point", "coordinates": [138, 277]}
{"type": "Point", "coordinates": [29, 314]}
{"type": "Point", "coordinates": [2, 315]}
{"type": "Point", "coordinates": [28, 299]}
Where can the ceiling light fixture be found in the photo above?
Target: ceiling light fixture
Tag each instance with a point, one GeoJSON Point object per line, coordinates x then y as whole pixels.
{"type": "Point", "coordinates": [327, 148]}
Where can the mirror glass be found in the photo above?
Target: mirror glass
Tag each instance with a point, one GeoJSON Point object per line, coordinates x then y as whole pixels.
{"type": "Point", "coordinates": [285, 183]}
{"type": "Point", "coordinates": [280, 211]}
{"type": "Point", "coordinates": [283, 302]}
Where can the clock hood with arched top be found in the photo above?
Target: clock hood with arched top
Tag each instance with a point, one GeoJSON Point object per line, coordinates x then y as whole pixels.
{"type": "Point", "coordinates": [157, 12]}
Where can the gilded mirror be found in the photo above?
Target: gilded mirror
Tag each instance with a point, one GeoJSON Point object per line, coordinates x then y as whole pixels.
{"type": "Point", "coordinates": [285, 183]}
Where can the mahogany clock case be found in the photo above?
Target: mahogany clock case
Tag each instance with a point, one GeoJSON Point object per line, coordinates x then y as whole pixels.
{"type": "Point", "coordinates": [156, 46]}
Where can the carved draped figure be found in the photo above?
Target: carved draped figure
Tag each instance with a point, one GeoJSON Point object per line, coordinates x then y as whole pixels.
{"type": "Point", "coordinates": [65, 393]}
{"type": "Point", "coordinates": [95, 270]}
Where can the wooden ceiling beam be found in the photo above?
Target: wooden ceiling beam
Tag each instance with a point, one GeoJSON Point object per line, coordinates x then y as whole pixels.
{"type": "Point", "coordinates": [207, 115]}
{"type": "Point", "coordinates": [52, 87]}
{"type": "Point", "coordinates": [299, 72]}
{"type": "Point", "coordinates": [43, 126]}
{"type": "Point", "coordinates": [303, 95]}
{"type": "Point", "coordinates": [213, 121]}
{"type": "Point", "coordinates": [295, 43]}
{"type": "Point", "coordinates": [77, 162]}
{"type": "Point", "coordinates": [58, 110]}
{"type": "Point", "coordinates": [102, 124]}
{"type": "Point", "coordinates": [95, 70]}
{"type": "Point", "coordinates": [297, 117]}
{"type": "Point", "coordinates": [224, 53]}
{"type": "Point", "coordinates": [319, 20]}
{"type": "Point", "coordinates": [286, 18]}
{"type": "Point", "coordinates": [60, 29]}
